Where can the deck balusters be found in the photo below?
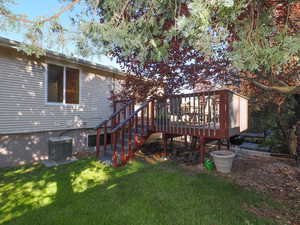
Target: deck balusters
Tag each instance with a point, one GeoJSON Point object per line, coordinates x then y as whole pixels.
{"type": "Point", "coordinates": [129, 140]}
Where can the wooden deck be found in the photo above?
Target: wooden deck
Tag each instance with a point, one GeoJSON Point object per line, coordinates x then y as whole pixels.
{"type": "Point", "coordinates": [210, 115]}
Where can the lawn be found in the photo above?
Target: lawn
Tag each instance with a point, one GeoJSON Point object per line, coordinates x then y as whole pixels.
{"type": "Point", "coordinates": [87, 192]}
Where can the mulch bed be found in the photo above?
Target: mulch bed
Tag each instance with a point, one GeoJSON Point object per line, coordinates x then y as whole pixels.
{"type": "Point", "coordinates": [277, 178]}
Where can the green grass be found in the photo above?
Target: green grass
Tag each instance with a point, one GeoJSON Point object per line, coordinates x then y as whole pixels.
{"type": "Point", "coordinates": [86, 193]}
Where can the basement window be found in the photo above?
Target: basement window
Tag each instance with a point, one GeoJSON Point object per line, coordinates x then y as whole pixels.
{"type": "Point", "coordinates": [62, 85]}
{"type": "Point", "coordinates": [92, 140]}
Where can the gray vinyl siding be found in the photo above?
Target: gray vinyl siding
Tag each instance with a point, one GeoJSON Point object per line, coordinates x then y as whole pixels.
{"type": "Point", "coordinates": [23, 102]}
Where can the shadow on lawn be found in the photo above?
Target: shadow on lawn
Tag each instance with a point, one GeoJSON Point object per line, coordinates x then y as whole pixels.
{"type": "Point", "coordinates": [87, 192]}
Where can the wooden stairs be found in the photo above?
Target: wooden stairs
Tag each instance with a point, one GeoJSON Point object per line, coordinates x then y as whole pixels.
{"type": "Point", "coordinates": [124, 132]}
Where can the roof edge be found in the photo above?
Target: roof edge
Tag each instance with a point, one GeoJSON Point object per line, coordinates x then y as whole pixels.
{"type": "Point", "coordinates": [4, 42]}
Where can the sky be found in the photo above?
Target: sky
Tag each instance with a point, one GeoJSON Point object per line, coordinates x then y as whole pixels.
{"type": "Point", "coordinates": [46, 8]}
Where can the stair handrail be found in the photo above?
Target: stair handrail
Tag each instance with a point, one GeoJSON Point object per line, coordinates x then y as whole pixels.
{"type": "Point", "coordinates": [121, 124]}
{"type": "Point", "coordinates": [103, 125]}
{"type": "Point", "coordinates": [119, 131]}
{"type": "Point", "coordinates": [114, 114]}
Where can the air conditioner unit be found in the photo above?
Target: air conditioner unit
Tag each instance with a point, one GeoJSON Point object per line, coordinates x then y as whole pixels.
{"type": "Point", "coordinates": [60, 148]}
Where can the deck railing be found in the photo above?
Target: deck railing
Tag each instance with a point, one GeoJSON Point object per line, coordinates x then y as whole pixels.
{"type": "Point", "coordinates": [196, 114]}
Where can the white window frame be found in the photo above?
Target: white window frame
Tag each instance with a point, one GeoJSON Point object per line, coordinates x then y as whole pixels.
{"type": "Point", "coordinates": [64, 86]}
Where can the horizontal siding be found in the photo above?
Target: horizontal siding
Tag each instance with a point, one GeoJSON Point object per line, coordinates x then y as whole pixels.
{"type": "Point", "coordinates": [23, 106]}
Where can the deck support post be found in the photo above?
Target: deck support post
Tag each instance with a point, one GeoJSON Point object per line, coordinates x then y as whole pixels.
{"type": "Point", "coordinates": [219, 144]}
{"type": "Point", "coordinates": [185, 141]}
{"type": "Point", "coordinates": [165, 144]}
{"type": "Point", "coordinates": [202, 149]}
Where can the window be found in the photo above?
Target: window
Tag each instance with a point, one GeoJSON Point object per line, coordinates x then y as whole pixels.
{"type": "Point", "coordinates": [72, 86]}
{"type": "Point", "coordinates": [63, 85]}
{"type": "Point", "coordinates": [55, 83]}
{"type": "Point", "coordinates": [92, 140]}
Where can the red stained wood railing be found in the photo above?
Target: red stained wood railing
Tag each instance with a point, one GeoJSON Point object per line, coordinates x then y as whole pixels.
{"type": "Point", "coordinates": [196, 114]}
{"type": "Point", "coordinates": [136, 122]}
{"type": "Point", "coordinates": [110, 123]}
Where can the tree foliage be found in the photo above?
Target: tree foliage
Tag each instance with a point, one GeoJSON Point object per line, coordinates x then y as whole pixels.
{"type": "Point", "coordinates": [258, 39]}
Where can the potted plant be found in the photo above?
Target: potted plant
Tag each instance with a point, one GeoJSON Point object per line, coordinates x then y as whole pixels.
{"type": "Point", "coordinates": [223, 160]}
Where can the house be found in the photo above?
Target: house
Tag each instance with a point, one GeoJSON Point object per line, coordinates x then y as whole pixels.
{"type": "Point", "coordinates": [57, 96]}
{"type": "Point", "coordinates": [48, 97]}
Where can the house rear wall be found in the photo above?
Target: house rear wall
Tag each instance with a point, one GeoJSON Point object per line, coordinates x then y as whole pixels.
{"type": "Point", "coordinates": [27, 120]}
{"type": "Point", "coordinates": [23, 101]}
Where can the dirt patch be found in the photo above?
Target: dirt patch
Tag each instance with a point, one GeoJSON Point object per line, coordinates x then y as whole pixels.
{"type": "Point", "coordinates": [277, 178]}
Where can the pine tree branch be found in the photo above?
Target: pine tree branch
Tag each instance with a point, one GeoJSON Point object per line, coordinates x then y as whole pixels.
{"type": "Point", "coordinates": [281, 89]}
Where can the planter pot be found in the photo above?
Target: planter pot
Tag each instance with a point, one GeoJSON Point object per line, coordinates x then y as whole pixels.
{"type": "Point", "coordinates": [223, 160]}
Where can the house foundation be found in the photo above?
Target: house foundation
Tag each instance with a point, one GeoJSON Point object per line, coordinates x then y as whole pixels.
{"type": "Point", "coordinates": [21, 149]}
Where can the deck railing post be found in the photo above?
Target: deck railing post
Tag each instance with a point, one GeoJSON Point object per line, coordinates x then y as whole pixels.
{"type": "Point", "coordinates": [224, 113]}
